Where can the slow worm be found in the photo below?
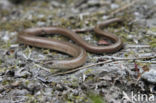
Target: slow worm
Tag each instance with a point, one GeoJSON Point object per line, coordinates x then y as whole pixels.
{"type": "Point", "coordinates": [32, 36]}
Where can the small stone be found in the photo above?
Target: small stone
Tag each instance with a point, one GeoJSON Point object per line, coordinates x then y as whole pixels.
{"type": "Point", "coordinates": [5, 5]}
{"type": "Point", "coordinates": [93, 2]}
{"type": "Point", "coordinates": [150, 76]}
{"type": "Point", "coordinates": [41, 23]}
{"type": "Point", "coordinates": [60, 87]}
{"type": "Point", "coordinates": [114, 6]}
{"type": "Point", "coordinates": [130, 37]}
{"type": "Point", "coordinates": [105, 17]}
{"type": "Point", "coordinates": [5, 38]}
{"type": "Point", "coordinates": [41, 16]}
{"type": "Point", "coordinates": [1, 79]}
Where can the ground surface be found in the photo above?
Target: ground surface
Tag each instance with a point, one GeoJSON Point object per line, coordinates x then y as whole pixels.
{"type": "Point", "coordinates": [24, 78]}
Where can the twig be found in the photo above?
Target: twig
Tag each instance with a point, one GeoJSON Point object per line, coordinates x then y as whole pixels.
{"type": "Point", "coordinates": [137, 46]}
{"type": "Point", "coordinates": [151, 62]}
{"type": "Point", "coordinates": [46, 69]}
{"type": "Point", "coordinates": [87, 66]}
{"type": "Point", "coordinates": [139, 58]}
{"type": "Point", "coordinates": [99, 63]}
{"type": "Point", "coordinates": [123, 8]}
{"type": "Point", "coordinates": [83, 30]}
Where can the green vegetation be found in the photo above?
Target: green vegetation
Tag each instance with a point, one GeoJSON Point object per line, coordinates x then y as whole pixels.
{"type": "Point", "coordinates": [96, 98]}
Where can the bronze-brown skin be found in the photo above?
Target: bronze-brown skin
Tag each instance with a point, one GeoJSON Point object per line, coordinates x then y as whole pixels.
{"type": "Point", "coordinates": [31, 37]}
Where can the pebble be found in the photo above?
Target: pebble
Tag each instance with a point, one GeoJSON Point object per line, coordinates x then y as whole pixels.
{"type": "Point", "coordinates": [114, 6]}
{"type": "Point", "coordinates": [150, 76]}
{"type": "Point", "coordinates": [6, 37]}
{"type": "Point", "coordinates": [5, 5]}
{"type": "Point", "coordinates": [41, 23]}
{"type": "Point", "coordinates": [1, 79]}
